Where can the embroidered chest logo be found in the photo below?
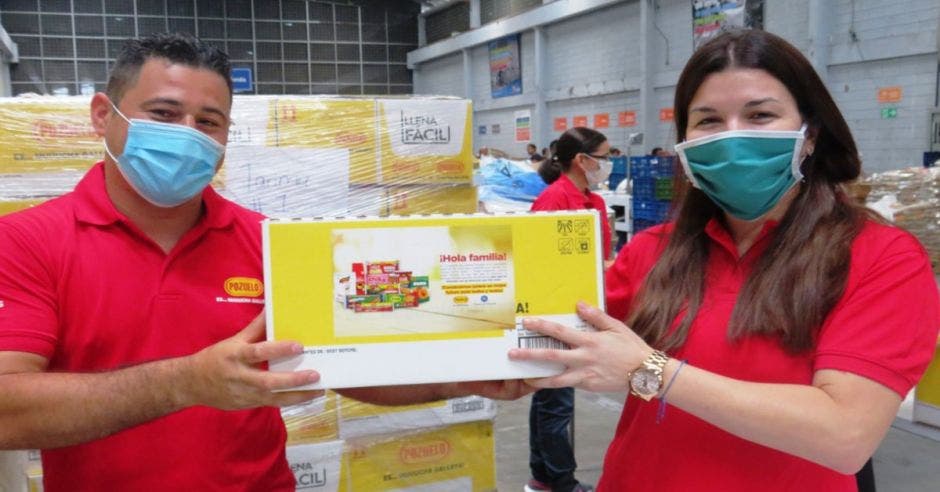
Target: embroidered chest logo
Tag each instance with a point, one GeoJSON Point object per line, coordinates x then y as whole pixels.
{"type": "Point", "coordinates": [243, 290]}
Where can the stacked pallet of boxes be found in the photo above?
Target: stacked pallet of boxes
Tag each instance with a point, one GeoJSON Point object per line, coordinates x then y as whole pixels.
{"type": "Point", "coordinates": [46, 145]}
{"type": "Point", "coordinates": [339, 444]}
{"type": "Point", "coordinates": [911, 197]}
{"type": "Point", "coordinates": [304, 157]}
{"type": "Point", "coordinates": [652, 190]}
{"type": "Point", "coordinates": [287, 156]}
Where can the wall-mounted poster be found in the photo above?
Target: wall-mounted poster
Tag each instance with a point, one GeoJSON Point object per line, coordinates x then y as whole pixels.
{"type": "Point", "coordinates": [505, 67]}
{"type": "Point", "coordinates": [523, 125]}
{"type": "Point", "coordinates": [712, 17]}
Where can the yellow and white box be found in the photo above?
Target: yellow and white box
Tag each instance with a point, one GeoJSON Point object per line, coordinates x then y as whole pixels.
{"type": "Point", "coordinates": [408, 300]}
{"type": "Point", "coordinates": [357, 419]}
{"type": "Point", "coordinates": [457, 458]}
{"type": "Point", "coordinates": [317, 466]}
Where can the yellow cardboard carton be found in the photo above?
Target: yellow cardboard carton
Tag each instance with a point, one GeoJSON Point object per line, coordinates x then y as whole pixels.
{"type": "Point", "coordinates": [426, 141]}
{"type": "Point", "coordinates": [927, 394]}
{"type": "Point", "coordinates": [358, 419]}
{"type": "Point", "coordinates": [457, 457]}
{"type": "Point", "coordinates": [9, 206]}
{"type": "Point", "coordinates": [442, 199]}
{"type": "Point", "coordinates": [314, 421]}
{"type": "Point", "coordinates": [47, 134]}
{"type": "Point", "coordinates": [316, 466]}
{"type": "Point", "coordinates": [407, 300]}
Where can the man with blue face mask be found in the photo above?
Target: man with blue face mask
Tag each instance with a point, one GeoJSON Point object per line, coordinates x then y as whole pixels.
{"type": "Point", "coordinates": [125, 354]}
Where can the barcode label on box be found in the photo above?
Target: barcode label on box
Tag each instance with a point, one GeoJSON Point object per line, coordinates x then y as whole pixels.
{"type": "Point", "coordinates": [542, 342]}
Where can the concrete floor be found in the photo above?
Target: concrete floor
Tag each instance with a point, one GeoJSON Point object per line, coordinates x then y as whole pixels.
{"type": "Point", "coordinates": [907, 461]}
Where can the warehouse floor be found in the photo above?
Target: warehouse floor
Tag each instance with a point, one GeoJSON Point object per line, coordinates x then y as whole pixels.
{"type": "Point", "coordinates": [908, 459]}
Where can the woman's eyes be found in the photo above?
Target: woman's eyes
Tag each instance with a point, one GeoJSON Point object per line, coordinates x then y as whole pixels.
{"type": "Point", "coordinates": [706, 121]}
{"type": "Point", "coordinates": [762, 115]}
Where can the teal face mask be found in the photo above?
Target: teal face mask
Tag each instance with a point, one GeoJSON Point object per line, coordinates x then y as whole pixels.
{"type": "Point", "coordinates": [745, 172]}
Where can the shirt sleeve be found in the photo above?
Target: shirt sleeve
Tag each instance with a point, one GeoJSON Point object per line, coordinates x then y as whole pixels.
{"type": "Point", "coordinates": [547, 202]}
{"type": "Point", "coordinates": [28, 313]}
{"type": "Point", "coordinates": [885, 326]}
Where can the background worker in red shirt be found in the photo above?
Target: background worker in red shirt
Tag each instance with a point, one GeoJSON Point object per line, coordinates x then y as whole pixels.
{"type": "Point", "coordinates": [578, 164]}
{"type": "Point", "coordinates": [782, 321]}
{"type": "Point", "coordinates": [122, 354]}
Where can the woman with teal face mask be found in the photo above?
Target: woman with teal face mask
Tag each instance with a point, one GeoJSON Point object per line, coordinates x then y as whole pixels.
{"type": "Point", "coordinates": [757, 332]}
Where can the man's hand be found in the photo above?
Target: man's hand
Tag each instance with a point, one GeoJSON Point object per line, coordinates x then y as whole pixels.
{"type": "Point", "coordinates": [229, 375]}
{"type": "Point", "coordinates": [509, 389]}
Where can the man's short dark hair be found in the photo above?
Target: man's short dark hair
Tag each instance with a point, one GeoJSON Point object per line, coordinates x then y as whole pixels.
{"type": "Point", "coordinates": [178, 48]}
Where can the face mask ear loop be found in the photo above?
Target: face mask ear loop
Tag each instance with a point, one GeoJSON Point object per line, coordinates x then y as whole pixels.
{"type": "Point", "coordinates": [797, 157]}
{"type": "Point", "coordinates": [118, 111]}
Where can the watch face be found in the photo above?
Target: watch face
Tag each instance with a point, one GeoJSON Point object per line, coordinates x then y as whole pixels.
{"type": "Point", "coordinates": [645, 382]}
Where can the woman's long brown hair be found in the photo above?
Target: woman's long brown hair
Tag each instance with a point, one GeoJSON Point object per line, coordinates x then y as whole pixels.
{"type": "Point", "coordinates": [802, 274]}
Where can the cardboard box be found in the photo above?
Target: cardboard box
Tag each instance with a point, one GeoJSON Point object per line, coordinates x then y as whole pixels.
{"type": "Point", "coordinates": [47, 134]}
{"type": "Point", "coordinates": [927, 394]}
{"type": "Point", "coordinates": [455, 458]}
{"type": "Point", "coordinates": [10, 206]}
{"type": "Point", "coordinates": [317, 466]}
{"type": "Point", "coordinates": [441, 199]}
{"type": "Point", "coordinates": [357, 419]}
{"type": "Point", "coordinates": [472, 279]}
{"type": "Point", "coordinates": [425, 141]}
{"type": "Point", "coordinates": [314, 421]}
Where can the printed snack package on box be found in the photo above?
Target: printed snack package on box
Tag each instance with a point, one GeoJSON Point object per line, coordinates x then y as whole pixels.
{"type": "Point", "coordinates": [407, 300]}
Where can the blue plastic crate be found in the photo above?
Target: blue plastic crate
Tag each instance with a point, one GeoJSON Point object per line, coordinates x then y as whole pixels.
{"type": "Point", "coordinates": [619, 164]}
{"type": "Point", "coordinates": [640, 224]}
{"type": "Point", "coordinates": [652, 167]}
{"type": "Point", "coordinates": [614, 179]}
{"type": "Point", "coordinates": [653, 210]}
{"type": "Point", "coordinates": [652, 189]}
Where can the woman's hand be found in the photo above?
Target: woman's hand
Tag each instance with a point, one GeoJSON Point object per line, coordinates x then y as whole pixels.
{"type": "Point", "coordinates": [597, 361]}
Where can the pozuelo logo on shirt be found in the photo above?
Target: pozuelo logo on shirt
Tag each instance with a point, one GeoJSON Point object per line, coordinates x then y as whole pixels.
{"type": "Point", "coordinates": [243, 287]}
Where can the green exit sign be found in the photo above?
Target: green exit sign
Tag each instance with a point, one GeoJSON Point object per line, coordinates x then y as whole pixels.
{"type": "Point", "coordinates": [889, 113]}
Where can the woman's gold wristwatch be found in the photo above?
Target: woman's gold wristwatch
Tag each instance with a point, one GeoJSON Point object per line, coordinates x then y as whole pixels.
{"type": "Point", "coordinates": [647, 380]}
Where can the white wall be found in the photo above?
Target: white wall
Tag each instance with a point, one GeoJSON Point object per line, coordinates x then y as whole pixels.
{"type": "Point", "coordinates": [594, 64]}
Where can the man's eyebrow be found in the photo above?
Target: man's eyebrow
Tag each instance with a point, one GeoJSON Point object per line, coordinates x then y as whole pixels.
{"type": "Point", "coordinates": [175, 103]}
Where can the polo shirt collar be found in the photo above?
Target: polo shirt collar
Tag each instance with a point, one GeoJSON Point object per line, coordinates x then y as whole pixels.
{"type": "Point", "coordinates": [572, 190]}
{"type": "Point", "coordinates": [718, 233]}
{"type": "Point", "coordinates": [94, 206]}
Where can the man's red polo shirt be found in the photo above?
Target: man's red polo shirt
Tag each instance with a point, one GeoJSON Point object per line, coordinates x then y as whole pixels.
{"type": "Point", "coordinates": [564, 195]}
{"type": "Point", "coordinates": [883, 328]}
{"type": "Point", "coordinates": [84, 287]}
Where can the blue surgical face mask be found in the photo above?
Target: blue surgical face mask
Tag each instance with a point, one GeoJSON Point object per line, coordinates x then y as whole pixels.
{"type": "Point", "coordinates": [166, 164]}
{"type": "Point", "coordinates": [745, 172]}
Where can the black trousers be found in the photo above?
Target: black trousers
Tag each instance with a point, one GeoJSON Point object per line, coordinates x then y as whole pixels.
{"type": "Point", "coordinates": [865, 478]}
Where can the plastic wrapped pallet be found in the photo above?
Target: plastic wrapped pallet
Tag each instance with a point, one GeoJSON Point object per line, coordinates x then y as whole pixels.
{"type": "Point", "coordinates": [455, 458]}
{"type": "Point", "coordinates": [345, 445]}
{"type": "Point", "coordinates": [309, 156]}
{"type": "Point", "coordinates": [286, 156]}
{"type": "Point", "coordinates": [911, 198]}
